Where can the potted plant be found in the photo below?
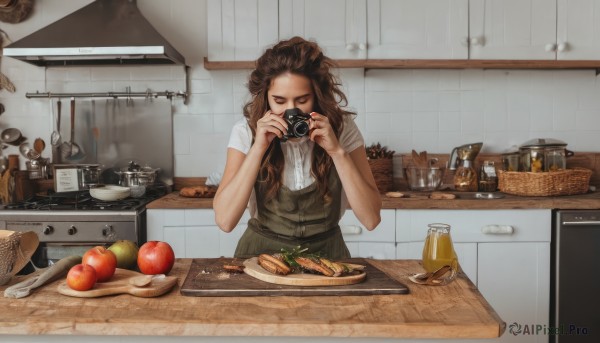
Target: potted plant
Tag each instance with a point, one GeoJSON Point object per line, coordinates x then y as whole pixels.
{"type": "Point", "coordinates": [380, 161]}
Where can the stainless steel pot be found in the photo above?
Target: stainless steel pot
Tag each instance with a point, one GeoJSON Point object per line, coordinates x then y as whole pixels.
{"type": "Point", "coordinates": [543, 154]}
{"type": "Point", "coordinates": [134, 175]}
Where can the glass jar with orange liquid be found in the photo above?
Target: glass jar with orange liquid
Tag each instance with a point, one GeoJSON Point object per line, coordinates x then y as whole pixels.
{"type": "Point", "coordinates": [438, 252]}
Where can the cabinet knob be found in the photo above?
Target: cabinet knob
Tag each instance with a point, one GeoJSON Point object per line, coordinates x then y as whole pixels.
{"type": "Point", "coordinates": [362, 46]}
{"type": "Point", "coordinates": [562, 47]}
{"type": "Point", "coordinates": [477, 41]}
{"type": "Point", "coordinates": [497, 230]}
{"type": "Point", "coordinates": [351, 230]}
{"type": "Point", "coordinates": [550, 47]}
{"type": "Point", "coordinates": [351, 47]}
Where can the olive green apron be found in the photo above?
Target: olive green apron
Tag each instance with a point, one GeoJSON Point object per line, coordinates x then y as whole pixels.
{"type": "Point", "coordinates": [296, 218]}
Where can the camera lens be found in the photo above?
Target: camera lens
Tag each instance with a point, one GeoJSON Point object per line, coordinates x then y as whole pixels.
{"type": "Point", "coordinates": [300, 128]}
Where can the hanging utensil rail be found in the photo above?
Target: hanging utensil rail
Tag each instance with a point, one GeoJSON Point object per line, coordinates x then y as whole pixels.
{"type": "Point", "coordinates": [148, 94]}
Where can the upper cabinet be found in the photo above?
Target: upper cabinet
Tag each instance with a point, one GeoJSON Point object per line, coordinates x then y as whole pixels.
{"type": "Point", "coordinates": [512, 29]}
{"type": "Point", "coordinates": [339, 26]}
{"type": "Point", "coordinates": [240, 30]}
{"type": "Point", "coordinates": [534, 29]}
{"type": "Point", "coordinates": [578, 32]}
{"type": "Point", "coordinates": [417, 29]}
{"type": "Point", "coordinates": [404, 33]}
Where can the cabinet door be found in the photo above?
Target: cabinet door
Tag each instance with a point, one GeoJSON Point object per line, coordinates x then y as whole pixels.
{"type": "Point", "coordinates": [417, 29]}
{"type": "Point", "coordinates": [512, 29]}
{"type": "Point", "coordinates": [578, 31]}
{"type": "Point", "coordinates": [240, 30]}
{"type": "Point", "coordinates": [339, 26]}
{"type": "Point", "coordinates": [515, 279]}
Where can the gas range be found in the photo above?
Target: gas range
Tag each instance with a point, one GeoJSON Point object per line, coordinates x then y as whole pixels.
{"type": "Point", "coordinates": [70, 223]}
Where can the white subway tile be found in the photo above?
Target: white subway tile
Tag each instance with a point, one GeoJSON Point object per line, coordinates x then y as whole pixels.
{"type": "Point", "coordinates": [471, 79]}
{"type": "Point", "coordinates": [425, 121]}
{"type": "Point", "coordinates": [379, 122]}
{"type": "Point", "coordinates": [449, 79]}
{"type": "Point", "coordinates": [449, 121]}
{"type": "Point", "coordinates": [472, 100]}
{"type": "Point", "coordinates": [449, 101]}
{"type": "Point", "coordinates": [471, 121]}
{"type": "Point", "coordinates": [426, 79]}
{"type": "Point", "coordinates": [426, 101]}
{"type": "Point", "coordinates": [402, 122]}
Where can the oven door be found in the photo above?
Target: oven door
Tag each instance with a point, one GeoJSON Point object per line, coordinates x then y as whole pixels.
{"type": "Point", "coordinates": [577, 281]}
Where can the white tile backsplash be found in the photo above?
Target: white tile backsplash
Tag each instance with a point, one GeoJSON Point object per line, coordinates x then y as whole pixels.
{"type": "Point", "coordinates": [405, 109]}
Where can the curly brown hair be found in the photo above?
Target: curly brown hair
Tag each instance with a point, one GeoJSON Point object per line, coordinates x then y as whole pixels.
{"type": "Point", "coordinates": [301, 57]}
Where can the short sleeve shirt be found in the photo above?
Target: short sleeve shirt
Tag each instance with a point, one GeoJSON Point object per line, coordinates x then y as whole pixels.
{"type": "Point", "coordinates": [297, 155]}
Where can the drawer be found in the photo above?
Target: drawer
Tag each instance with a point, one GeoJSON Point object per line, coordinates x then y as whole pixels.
{"type": "Point", "coordinates": [354, 231]}
{"type": "Point", "coordinates": [477, 225]}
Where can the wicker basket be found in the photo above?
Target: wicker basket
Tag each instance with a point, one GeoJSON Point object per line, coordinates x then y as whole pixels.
{"type": "Point", "coordinates": [382, 169]}
{"type": "Point", "coordinates": [561, 182]}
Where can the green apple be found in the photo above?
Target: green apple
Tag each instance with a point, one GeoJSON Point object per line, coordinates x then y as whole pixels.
{"type": "Point", "coordinates": [126, 252]}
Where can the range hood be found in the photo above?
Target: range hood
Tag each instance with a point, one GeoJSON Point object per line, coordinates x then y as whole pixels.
{"type": "Point", "coordinates": [105, 32]}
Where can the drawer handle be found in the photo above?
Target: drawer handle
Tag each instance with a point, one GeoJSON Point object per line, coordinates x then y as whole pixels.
{"type": "Point", "coordinates": [351, 230]}
{"type": "Point", "coordinates": [498, 230]}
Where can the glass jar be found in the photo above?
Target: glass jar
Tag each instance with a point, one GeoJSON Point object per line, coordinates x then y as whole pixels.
{"type": "Point", "coordinates": [555, 159]}
{"type": "Point", "coordinates": [465, 178]}
{"type": "Point", "coordinates": [488, 180]}
{"type": "Point", "coordinates": [438, 251]}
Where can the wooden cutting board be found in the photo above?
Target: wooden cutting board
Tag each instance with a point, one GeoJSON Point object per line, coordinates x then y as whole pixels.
{"type": "Point", "coordinates": [255, 270]}
{"type": "Point", "coordinates": [119, 284]}
{"type": "Point", "coordinates": [207, 278]}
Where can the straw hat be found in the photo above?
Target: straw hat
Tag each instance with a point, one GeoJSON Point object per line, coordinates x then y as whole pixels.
{"type": "Point", "coordinates": [16, 248]}
{"type": "Point", "coordinates": [14, 11]}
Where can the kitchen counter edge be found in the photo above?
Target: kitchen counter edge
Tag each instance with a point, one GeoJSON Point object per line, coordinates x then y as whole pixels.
{"type": "Point", "coordinates": [417, 200]}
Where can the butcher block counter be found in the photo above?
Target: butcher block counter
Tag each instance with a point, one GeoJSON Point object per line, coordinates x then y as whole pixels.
{"type": "Point", "coordinates": [454, 311]}
{"type": "Point", "coordinates": [420, 200]}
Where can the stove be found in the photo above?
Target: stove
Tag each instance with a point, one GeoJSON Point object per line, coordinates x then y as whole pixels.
{"type": "Point", "coordinates": [71, 223]}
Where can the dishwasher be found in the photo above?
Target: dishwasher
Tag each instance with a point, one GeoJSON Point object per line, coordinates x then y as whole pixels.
{"type": "Point", "coordinates": [576, 303]}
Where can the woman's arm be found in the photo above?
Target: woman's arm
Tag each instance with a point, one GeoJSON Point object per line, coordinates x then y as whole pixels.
{"type": "Point", "coordinates": [241, 171]}
{"type": "Point", "coordinates": [354, 172]}
{"type": "Point", "coordinates": [235, 188]}
{"type": "Point", "coordinates": [359, 185]}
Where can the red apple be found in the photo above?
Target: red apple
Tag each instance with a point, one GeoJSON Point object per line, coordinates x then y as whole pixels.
{"type": "Point", "coordinates": [156, 257]}
{"type": "Point", "coordinates": [103, 260]}
{"type": "Point", "coordinates": [81, 277]}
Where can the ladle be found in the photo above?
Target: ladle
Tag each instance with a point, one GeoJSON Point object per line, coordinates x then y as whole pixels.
{"type": "Point", "coordinates": [28, 152]}
{"type": "Point", "coordinates": [10, 135]}
{"type": "Point", "coordinates": [70, 149]}
{"type": "Point", "coordinates": [55, 140]}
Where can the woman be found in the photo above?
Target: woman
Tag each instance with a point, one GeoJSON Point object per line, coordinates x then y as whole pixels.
{"type": "Point", "coordinates": [296, 189]}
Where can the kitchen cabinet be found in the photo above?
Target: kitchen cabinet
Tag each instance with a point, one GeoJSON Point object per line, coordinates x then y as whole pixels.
{"type": "Point", "coordinates": [506, 253]}
{"type": "Point", "coordinates": [193, 233]}
{"type": "Point", "coordinates": [377, 244]}
{"type": "Point", "coordinates": [339, 26]}
{"type": "Point", "coordinates": [512, 29]}
{"type": "Point", "coordinates": [239, 30]}
{"type": "Point", "coordinates": [417, 29]}
{"type": "Point", "coordinates": [534, 29]}
{"type": "Point", "coordinates": [578, 34]}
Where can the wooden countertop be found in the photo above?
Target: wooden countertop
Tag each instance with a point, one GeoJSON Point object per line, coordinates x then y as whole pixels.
{"type": "Point", "coordinates": [454, 311]}
{"type": "Point", "coordinates": [420, 200]}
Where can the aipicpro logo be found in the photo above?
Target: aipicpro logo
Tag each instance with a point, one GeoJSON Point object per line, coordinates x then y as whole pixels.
{"type": "Point", "coordinates": [517, 329]}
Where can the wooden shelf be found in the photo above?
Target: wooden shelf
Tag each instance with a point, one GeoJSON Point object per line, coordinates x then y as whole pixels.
{"type": "Point", "coordinates": [428, 64]}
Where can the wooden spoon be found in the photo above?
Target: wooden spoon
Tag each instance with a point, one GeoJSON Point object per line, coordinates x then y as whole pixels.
{"type": "Point", "coordinates": [39, 145]}
{"type": "Point", "coordinates": [141, 281]}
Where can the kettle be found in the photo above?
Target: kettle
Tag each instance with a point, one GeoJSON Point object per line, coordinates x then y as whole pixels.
{"type": "Point", "coordinates": [461, 160]}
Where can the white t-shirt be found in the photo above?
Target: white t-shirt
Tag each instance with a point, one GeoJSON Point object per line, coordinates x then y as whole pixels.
{"type": "Point", "coordinates": [297, 155]}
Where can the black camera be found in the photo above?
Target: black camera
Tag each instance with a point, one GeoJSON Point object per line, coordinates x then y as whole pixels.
{"type": "Point", "coordinates": [297, 123]}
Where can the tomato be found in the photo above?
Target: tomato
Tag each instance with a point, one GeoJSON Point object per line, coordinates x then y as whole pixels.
{"type": "Point", "coordinates": [103, 260]}
{"type": "Point", "coordinates": [81, 277]}
{"type": "Point", "coordinates": [156, 257]}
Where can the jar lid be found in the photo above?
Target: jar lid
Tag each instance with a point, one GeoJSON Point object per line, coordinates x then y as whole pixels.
{"type": "Point", "coordinates": [543, 142]}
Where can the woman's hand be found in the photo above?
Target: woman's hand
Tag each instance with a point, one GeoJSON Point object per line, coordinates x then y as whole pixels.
{"type": "Point", "coordinates": [268, 127]}
{"type": "Point", "coordinates": [322, 133]}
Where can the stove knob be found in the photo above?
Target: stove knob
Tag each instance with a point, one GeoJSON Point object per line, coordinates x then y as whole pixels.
{"type": "Point", "coordinates": [48, 230]}
{"type": "Point", "coordinates": [108, 230]}
{"type": "Point", "coordinates": [72, 230]}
